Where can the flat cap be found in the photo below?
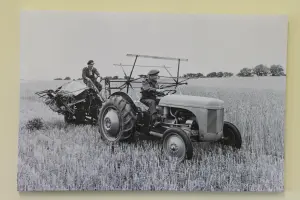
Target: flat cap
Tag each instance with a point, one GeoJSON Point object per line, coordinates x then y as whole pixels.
{"type": "Point", "coordinates": [90, 62]}
{"type": "Point", "coordinates": [153, 72]}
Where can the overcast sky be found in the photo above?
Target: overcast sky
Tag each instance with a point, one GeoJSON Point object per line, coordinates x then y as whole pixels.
{"type": "Point", "coordinates": [59, 43]}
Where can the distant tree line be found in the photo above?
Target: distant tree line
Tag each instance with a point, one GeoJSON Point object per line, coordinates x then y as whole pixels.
{"type": "Point", "coordinates": [209, 75]}
{"type": "Point", "coordinates": [262, 70]}
{"type": "Point", "coordinates": [259, 70]}
{"type": "Point", "coordinates": [67, 78]}
{"type": "Point", "coordinates": [106, 77]}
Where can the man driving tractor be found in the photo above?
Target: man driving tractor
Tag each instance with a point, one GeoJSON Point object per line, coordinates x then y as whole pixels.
{"type": "Point", "coordinates": [148, 90]}
{"type": "Point", "coordinates": [90, 73]}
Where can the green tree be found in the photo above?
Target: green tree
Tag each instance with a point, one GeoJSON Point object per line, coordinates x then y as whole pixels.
{"type": "Point", "coordinates": [261, 70]}
{"type": "Point", "coordinates": [276, 70]}
{"type": "Point", "coordinates": [245, 72]}
{"type": "Point", "coordinates": [220, 74]}
{"type": "Point", "coordinates": [212, 74]}
{"type": "Point", "coordinates": [199, 75]}
{"type": "Point", "coordinates": [227, 74]}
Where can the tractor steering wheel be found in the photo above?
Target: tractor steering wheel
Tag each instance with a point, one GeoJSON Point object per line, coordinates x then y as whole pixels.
{"type": "Point", "coordinates": [170, 91]}
{"type": "Point", "coordinates": [166, 92]}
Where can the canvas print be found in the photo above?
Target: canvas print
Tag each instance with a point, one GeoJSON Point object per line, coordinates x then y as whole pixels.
{"type": "Point", "coordinates": [151, 101]}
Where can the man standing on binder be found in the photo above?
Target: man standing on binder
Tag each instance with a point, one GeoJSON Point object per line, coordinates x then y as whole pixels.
{"type": "Point", "coordinates": [90, 73]}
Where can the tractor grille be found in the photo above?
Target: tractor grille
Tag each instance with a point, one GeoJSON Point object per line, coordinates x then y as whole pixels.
{"type": "Point", "coordinates": [215, 120]}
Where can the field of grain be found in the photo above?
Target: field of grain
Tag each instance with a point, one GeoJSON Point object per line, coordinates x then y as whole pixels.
{"type": "Point", "coordinates": [65, 157]}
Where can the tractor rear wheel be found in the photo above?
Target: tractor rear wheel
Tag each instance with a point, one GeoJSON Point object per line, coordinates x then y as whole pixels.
{"type": "Point", "coordinates": [177, 144]}
{"type": "Point", "coordinates": [116, 120]}
{"type": "Point", "coordinates": [232, 136]}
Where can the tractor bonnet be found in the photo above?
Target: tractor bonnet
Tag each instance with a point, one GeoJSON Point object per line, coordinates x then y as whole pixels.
{"type": "Point", "coordinates": [191, 101]}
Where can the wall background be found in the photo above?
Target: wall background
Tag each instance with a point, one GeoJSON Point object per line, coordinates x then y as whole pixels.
{"type": "Point", "coordinates": [9, 87]}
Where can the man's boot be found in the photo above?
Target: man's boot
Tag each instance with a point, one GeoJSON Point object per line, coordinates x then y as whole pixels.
{"type": "Point", "coordinates": [155, 120]}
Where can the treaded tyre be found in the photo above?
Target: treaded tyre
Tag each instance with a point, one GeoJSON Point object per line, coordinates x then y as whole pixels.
{"type": "Point", "coordinates": [116, 120]}
{"type": "Point", "coordinates": [232, 136]}
{"type": "Point", "coordinates": [177, 144]}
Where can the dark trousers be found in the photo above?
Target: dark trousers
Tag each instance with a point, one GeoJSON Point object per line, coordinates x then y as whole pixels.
{"type": "Point", "coordinates": [96, 83]}
{"type": "Point", "coordinates": [151, 103]}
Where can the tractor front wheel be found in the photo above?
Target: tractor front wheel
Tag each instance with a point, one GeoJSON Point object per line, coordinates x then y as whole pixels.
{"type": "Point", "coordinates": [177, 145]}
{"type": "Point", "coordinates": [116, 120]}
{"type": "Point", "coordinates": [232, 136]}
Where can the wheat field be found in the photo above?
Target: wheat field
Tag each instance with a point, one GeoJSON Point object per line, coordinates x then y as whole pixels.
{"type": "Point", "coordinates": [66, 157]}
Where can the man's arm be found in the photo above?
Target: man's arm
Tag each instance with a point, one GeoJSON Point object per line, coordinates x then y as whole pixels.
{"type": "Point", "coordinates": [157, 86]}
{"type": "Point", "coordinates": [84, 74]}
{"type": "Point", "coordinates": [96, 72]}
{"type": "Point", "coordinates": [147, 87]}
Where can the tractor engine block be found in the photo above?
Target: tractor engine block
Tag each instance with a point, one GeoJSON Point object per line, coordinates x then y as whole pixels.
{"type": "Point", "coordinates": [179, 116]}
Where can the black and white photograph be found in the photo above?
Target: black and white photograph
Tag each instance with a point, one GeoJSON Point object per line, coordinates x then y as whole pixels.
{"type": "Point", "coordinates": [114, 101]}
